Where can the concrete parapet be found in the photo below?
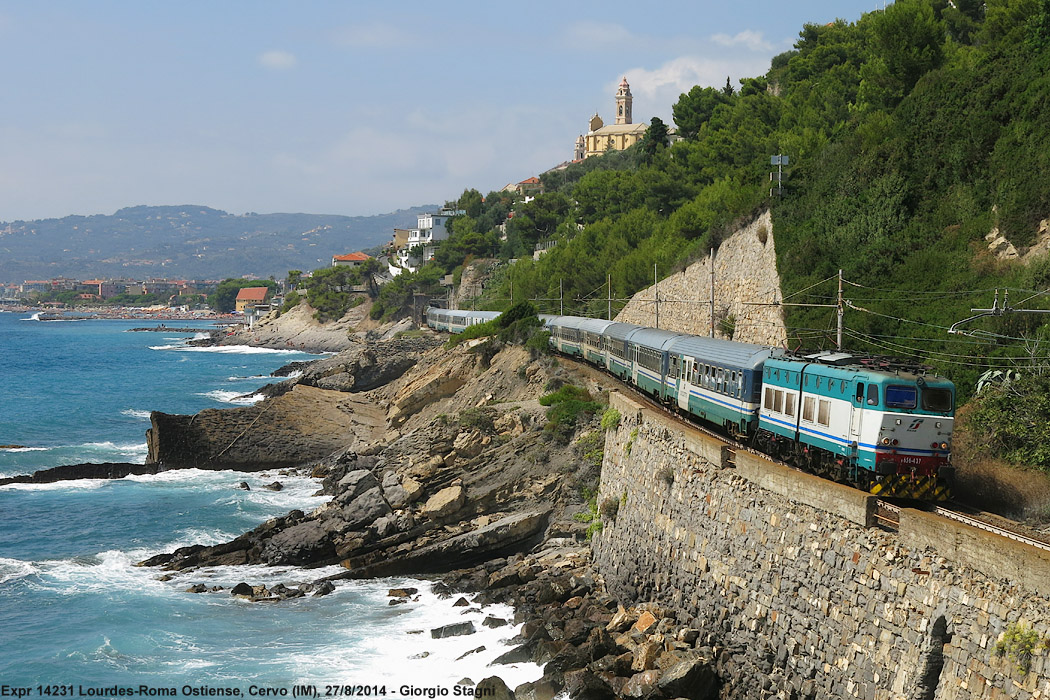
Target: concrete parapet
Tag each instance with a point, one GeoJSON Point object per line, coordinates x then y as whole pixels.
{"type": "Point", "coordinates": [846, 502]}
{"type": "Point", "coordinates": [993, 555]}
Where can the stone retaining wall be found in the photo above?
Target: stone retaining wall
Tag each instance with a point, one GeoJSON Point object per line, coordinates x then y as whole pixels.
{"type": "Point", "coordinates": [809, 601]}
{"type": "Point", "coordinates": [745, 271]}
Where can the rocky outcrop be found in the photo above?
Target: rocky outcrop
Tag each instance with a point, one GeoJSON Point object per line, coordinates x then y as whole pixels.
{"type": "Point", "coordinates": [106, 470]}
{"type": "Point", "coordinates": [367, 365]}
{"type": "Point", "coordinates": [302, 425]}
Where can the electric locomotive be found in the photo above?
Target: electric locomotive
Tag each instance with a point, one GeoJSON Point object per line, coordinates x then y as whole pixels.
{"type": "Point", "coordinates": [881, 426]}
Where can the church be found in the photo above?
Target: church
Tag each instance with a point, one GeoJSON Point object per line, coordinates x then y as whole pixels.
{"type": "Point", "coordinates": [617, 136]}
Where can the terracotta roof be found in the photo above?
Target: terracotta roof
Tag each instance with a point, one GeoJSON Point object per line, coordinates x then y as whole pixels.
{"type": "Point", "coordinates": [252, 293]}
{"type": "Point", "coordinates": [352, 257]}
{"type": "Point", "coordinates": [530, 181]}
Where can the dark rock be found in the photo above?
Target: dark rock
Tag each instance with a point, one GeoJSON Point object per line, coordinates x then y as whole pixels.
{"type": "Point", "coordinates": [544, 650]}
{"type": "Point", "coordinates": [461, 603]}
{"type": "Point", "coordinates": [504, 577]}
{"type": "Point", "coordinates": [599, 643]}
{"type": "Point", "coordinates": [274, 486]}
{"type": "Point", "coordinates": [465, 681]}
{"type": "Point", "coordinates": [690, 679]}
{"type": "Point", "coordinates": [197, 588]}
{"type": "Point", "coordinates": [583, 684]}
{"type": "Point", "coordinates": [362, 511]}
{"type": "Point", "coordinates": [242, 589]}
{"type": "Point", "coordinates": [244, 486]}
{"type": "Point", "coordinates": [543, 689]}
{"type": "Point", "coordinates": [468, 653]}
{"type": "Point", "coordinates": [324, 588]}
{"type": "Point", "coordinates": [517, 655]}
{"type": "Point", "coordinates": [107, 470]}
{"type": "Point", "coordinates": [616, 665]}
{"type": "Point", "coordinates": [306, 543]}
{"type": "Point", "coordinates": [493, 688]}
{"type": "Point", "coordinates": [457, 629]}
{"type": "Point", "coordinates": [642, 685]}
{"type": "Point", "coordinates": [493, 622]}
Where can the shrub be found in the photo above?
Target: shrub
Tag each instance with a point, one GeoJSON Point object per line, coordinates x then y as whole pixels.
{"type": "Point", "coordinates": [1019, 644]}
{"type": "Point", "coordinates": [611, 419]}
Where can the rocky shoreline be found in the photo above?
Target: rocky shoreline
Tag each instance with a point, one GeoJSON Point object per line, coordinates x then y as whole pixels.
{"type": "Point", "coordinates": [442, 463]}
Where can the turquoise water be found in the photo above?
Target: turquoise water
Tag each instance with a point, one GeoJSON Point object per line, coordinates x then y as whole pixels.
{"type": "Point", "coordinates": [74, 608]}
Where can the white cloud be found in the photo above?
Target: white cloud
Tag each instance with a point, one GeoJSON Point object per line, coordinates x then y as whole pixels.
{"type": "Point", "coordinates": [278, 60]}
{"type": "Point", "coordinates": [751, 40]}
{"type": "Point", "coordinates": [656, 90]}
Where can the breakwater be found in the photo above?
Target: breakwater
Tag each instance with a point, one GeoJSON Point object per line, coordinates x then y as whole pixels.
{"type": "Point", "coordinates": [787, 573]}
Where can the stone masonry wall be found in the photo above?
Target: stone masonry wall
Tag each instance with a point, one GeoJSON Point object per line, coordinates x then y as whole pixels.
{"type": "Point", "coordinates": [805, 602]}
{"type": "Point", "coordinates": [745, 271]}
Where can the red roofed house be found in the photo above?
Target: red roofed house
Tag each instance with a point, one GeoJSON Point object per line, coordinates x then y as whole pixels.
{"type": "Point", "coordinates": [351, 259]}
{"type": "Point", "coordinates": [249, 296]}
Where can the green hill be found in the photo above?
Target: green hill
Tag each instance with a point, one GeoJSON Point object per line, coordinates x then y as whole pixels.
{"type": "Point", "coordinates": [186, 242]}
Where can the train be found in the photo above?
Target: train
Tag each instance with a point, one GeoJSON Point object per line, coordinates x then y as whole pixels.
{"type": "Point", "coordinates": [879, 424]}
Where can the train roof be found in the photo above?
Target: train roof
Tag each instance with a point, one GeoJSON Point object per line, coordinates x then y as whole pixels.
{"type": "Point", "coordinates": [620, 331]}
{"type": "Point", "coordinates": [653, 337]}
{"type": "Point", "coordinates": [725, 353]}
{"type": "Point", "coordinates": [873, 369]}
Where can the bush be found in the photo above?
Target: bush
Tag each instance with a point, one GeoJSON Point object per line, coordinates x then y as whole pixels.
{"type": "Point", "coordinates": [611, 419]}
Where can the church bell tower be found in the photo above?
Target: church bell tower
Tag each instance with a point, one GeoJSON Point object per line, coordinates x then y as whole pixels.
{"type": "Point", "coordinates": [623, 102]}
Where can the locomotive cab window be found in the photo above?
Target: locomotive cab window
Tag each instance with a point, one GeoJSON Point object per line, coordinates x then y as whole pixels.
{"type": "Point", "coordinates": [860, 392]}
{"type": "Point", "coordinates": [898, 396]}
{"type": "Point", "coordinates": [939, 400]}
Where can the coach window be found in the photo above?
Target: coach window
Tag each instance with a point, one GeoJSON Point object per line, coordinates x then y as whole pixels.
{"type": "Point", "coordinates": [809, 405]}
{"type": "Point", "coordinates": [778, 401]}
{"type": "Point", "coordinates": [768, 403]}
{"type": "Point", "coordinates": [824, 413]}
{"type": "Point", "coordinates": [789, 405]}
{"type": "Point", "coordinates": [873, 394]}
{"type": "Point", "coordinates": [732, 384]}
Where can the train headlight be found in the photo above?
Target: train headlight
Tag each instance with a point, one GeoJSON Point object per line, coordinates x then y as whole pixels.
{"type": "Point", "coordinates": [885, 441]}
{"type": "Point", "coordinates": [944, 446]}
{"type": "Point", "coordinates": [896, 442]}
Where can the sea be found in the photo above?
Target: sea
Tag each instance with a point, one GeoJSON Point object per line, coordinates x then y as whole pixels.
{"type": "Point", "coordinates": [78, 618]}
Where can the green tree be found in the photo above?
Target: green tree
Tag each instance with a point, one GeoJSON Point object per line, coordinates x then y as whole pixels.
{"type": "Point", "coordinates": [694, 109]}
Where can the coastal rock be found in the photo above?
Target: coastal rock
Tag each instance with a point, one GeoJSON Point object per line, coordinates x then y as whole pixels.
{"type": "Point", "coordinates": [444, 503]}
{"type": "Point", "coordinates": [305, 543]}
{"type": "Point", "coordinates": [494, 688]}
{"type": "Point", "coordinates": [107, 470]}
{"type": "Point", "coordinates": [303, 425]}
{"type": "Point", "coordinates": [457, 629]}
{"type": "Point", "coordinates": [690, 679]}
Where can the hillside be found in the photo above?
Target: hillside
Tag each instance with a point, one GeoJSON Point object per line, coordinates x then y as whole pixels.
{"type": "Point", "coordinates": [188, 241]}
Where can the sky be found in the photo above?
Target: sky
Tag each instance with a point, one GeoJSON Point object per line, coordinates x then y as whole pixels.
{"type": "Point", "coordinates": [342, 107]}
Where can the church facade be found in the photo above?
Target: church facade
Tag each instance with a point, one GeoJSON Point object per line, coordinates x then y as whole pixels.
{"type": "Point", "coordinates": [622, 134]}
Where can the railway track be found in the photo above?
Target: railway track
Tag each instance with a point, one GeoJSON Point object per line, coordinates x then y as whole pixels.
{"type": "Point", "coordinates": [887, 513]}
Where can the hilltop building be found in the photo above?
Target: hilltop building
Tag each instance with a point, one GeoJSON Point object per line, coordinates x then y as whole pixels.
{"type": "Point", "coordinates": [350, 259]}
{"type": "Point", "coordinates": [618, 136]}
{"type": "Point", "coordinates": [419, 245]}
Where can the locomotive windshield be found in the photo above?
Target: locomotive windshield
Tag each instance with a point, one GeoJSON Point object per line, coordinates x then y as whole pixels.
{"type": "Point", "coordinates": [898, 396]}
{"type": "Point", "coordinates": [939, 400]}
